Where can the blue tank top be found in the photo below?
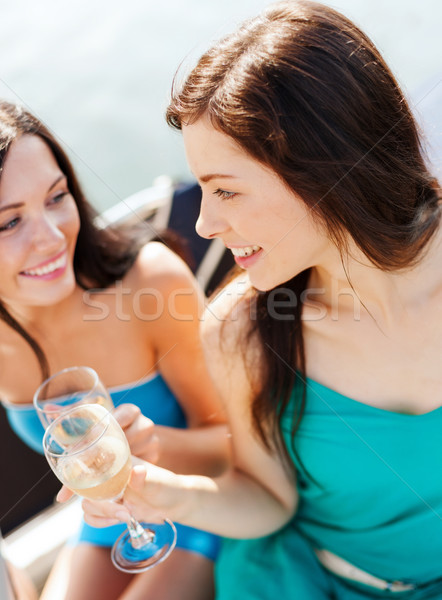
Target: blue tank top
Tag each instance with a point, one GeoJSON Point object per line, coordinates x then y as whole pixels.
{"type": "Point", "coordinates": [156, 401]}
{"type": "Point", "coordinates": [151, 395]}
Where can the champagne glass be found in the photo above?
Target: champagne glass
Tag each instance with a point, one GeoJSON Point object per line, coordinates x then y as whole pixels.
{"type": "Point", "coordinates": [68, 388]}
{"type": "Point", "coordinates": [89, 453]}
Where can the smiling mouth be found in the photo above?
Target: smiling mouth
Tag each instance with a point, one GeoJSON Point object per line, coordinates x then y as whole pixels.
{"type": "Point", "coordinates": [245, 251]}
{"type": "Point", "coordinates": [55, 265]}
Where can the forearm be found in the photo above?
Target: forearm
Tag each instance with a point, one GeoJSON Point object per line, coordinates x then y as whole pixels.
{"type": "Point", "coordinates": [199, 450]}
{"type": "Point", "coordinates": [235, 506]}
{"type": "Point", "coordinates": [202, 450]}
{"type": "Point", "coordinates": [232, 505]}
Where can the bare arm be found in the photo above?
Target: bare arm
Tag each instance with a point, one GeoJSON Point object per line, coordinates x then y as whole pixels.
{"type": "Point", "coordinates": [203, 450]}
{"type": "Point", "coordinates": [177, 304]}
{"type": "Point", "coordinates": [253, 498]}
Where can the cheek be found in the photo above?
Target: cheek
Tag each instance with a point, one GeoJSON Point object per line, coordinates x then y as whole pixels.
{"type": "Point", "coordinates": [14, 256]}
{"type": "Point", "coordinates": [70, 222]}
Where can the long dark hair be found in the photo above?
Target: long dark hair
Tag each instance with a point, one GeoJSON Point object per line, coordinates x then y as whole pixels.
{"type": "Point", "coordinates": [101, 255]}
{"type": "Point", "coordinates": [302, 90]}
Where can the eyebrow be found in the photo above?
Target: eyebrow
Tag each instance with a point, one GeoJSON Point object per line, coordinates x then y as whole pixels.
{"type": "Point", "coordinates": [210, 176]}
{"type": "Point", "coordinates": [20, 204]}
{"type": "Point", "coordinates": [10, 206]}
{"type": "Point", "coordinates": [62, 176]}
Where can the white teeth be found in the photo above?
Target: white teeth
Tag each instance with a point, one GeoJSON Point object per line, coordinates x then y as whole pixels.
{"type": "Point", "coordinates": [49, 268]}
{"type": "Point", "coordinates": [245, 251]}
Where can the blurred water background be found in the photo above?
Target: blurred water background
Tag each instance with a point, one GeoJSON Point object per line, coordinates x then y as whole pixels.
{"type": "Point", "coordinates": [99, 73]}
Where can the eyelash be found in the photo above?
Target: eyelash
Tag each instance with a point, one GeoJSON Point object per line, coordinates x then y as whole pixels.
{"type": "Point", "coordinates": [59, 197]}
{"type": "Point", "coordinates": [10, 224]}
{"type": "Point", "coordinates": [13, 223]}
{"type": "Point", "coordinates": [224, 195]}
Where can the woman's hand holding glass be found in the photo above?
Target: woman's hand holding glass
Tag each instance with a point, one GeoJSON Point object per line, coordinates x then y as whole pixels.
{"type": "Point", "coordinates": [151, 492]}
{"type": "Point", "coordinates": [140, 432]}
{"type": "Point", "coordinates": [81, 385]}
{"type": "Point", "coordinates": [89, 452]}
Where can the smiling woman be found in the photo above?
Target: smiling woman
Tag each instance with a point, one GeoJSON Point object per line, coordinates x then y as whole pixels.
{"type": "Point", "coordinates": [39, 225]}
{"type": "Point", "coordinates": [248, 206]}
{"type": "Point", "coordinates": [56, 267]}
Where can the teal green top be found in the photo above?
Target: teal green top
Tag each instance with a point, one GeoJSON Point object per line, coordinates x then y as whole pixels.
{"type": "Point", "coordinates": [370, 484]}
{"type": "Point", "coordinates": [370, 487]}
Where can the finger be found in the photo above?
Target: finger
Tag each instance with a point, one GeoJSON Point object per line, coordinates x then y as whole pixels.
{"type": "Point", "coordinates": [124, 515]}
{"type": "Point", "coordinates": [100, 508]}
{"type": "Point", "coordinates": [136, 426]}
{"type": "Point", "coordinates": [126, 414]}
{"type": "Point", "coordinates": [146, 447]}
{"type": "Point", "coordinates": [142, 426]}
{"type": "Point", "coordinates": [98, 514]}
{"type": "Point", "coordinates": [100, 521]}
{"type": "Point", "coordinates": [104, 514]}
{"type": "Point", "coordinates": [137, 478]}
{"type": "Point", "coordinates": [64, 494]}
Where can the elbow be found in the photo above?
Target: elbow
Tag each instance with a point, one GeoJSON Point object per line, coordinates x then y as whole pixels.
{"type": "Point", "coordinates": [221, 459]}
{"type": "Point", "coordinates": [223, 463]}
{"type": "Point", "coordinates": [287, 503]}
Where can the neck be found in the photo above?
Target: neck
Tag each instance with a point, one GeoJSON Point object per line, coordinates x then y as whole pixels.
{"type": "Point", "coordinates": [358, 285]}
{"type": "Point", "coordinates": [40, 321]}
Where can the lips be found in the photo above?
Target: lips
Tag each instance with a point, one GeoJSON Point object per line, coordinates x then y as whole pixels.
{"type": "Point", "coordinates": [246, 256]}
{"type": "Point", "coordinates": [245, 251]}
{"type": "Point", "coordinates": [48, 267]}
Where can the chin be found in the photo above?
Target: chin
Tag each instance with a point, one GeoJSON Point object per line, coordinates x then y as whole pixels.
{"type": "Point", "coordinates": [266, 284]}
{"type": "Point", "coordinates": [262, 285]}
{"type": "Point", "coordinates": [55, 296]}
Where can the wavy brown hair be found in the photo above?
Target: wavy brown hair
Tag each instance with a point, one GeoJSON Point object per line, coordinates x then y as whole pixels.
{"type": "Point", "coordinates": [101, 255]}
{"type": "Point", "coordinates": [304, 91]}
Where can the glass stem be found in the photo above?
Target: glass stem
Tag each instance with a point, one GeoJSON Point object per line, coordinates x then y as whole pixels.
{"type": "Point", "coordinates": [139, 536]}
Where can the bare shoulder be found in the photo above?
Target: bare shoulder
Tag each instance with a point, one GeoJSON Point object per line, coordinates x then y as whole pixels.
{"type": "Point", "coordinates": [16, 358]}
{"type": "Point", "coordinates": [165, 290]}
{"type": "Point", "coordinates": [227, 315]}
{"type": "Point", "coordinates": [225, 331]}
{"type": "Point", "coordinates": [159, 267]}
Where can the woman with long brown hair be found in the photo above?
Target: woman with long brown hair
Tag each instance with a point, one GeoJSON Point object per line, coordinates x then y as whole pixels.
{"type": "Point", "coordinates": [327, 347]}
{"type": "Point", "coordinates": [71, 294]}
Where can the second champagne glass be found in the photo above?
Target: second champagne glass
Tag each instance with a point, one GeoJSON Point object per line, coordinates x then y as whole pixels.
{"type": "Point", "coordinates": [68, 388]}
{"type": "Point", "coordinates": [88, 452]}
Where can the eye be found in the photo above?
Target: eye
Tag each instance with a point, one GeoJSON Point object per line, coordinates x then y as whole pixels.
{"type": "Point", "coordinates": [58, 198]}
{"type": "Point", "coordinates": [10, 224]}
{"type": "Point", "coordinates": [224, 195]}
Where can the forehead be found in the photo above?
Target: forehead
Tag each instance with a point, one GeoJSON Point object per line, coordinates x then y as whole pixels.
{"type": "Point", "coordinates": [28, 148]}
{"type": "Point", "coordinates": [210, 151]}
{"type": "Point", "coordinates": [29, 161]}
{"type": "Point", "coordinates": [203, 134]}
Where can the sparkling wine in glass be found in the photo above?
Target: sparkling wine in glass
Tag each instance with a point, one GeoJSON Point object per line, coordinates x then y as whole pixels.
{"type": "Point", "coordinates": [89, 453]}
{"type": "Point", "coordinates": [68, 388]}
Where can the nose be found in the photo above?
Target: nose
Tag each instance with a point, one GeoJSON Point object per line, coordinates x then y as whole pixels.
{"type": "Point", "coordinates": [210, 223]}
{"type": "Point", "coordinates": [46, 235]}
